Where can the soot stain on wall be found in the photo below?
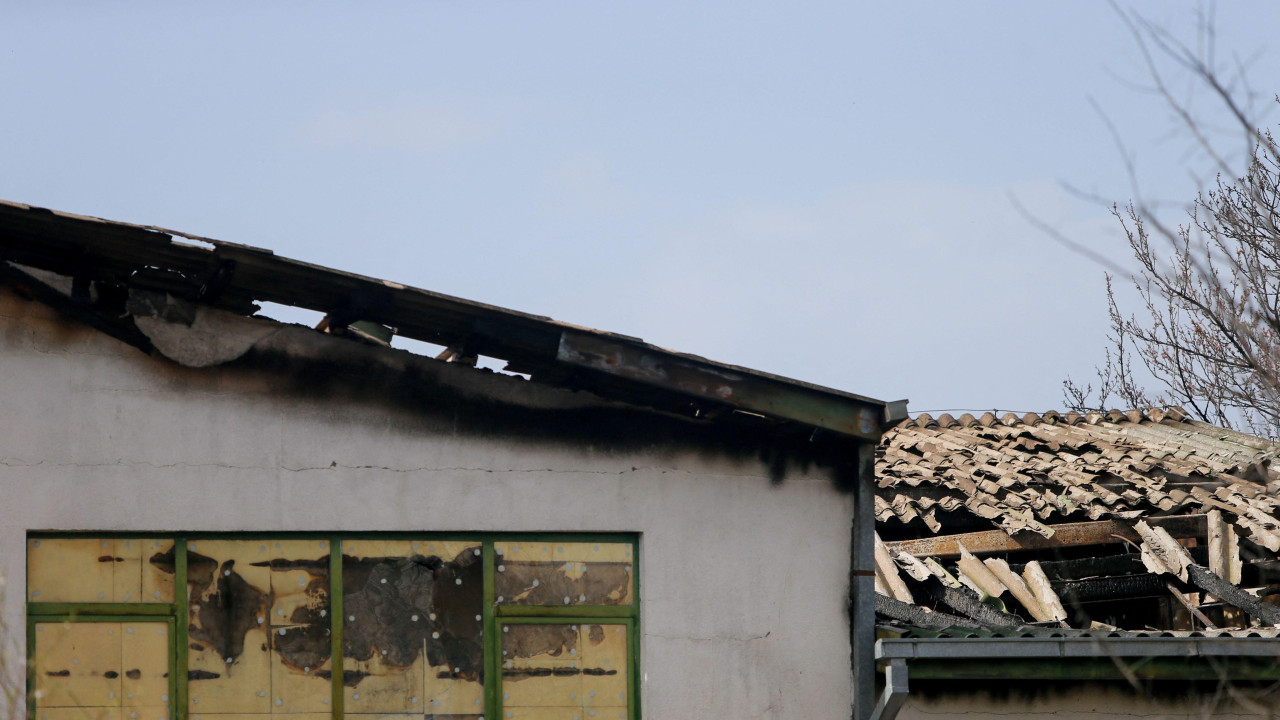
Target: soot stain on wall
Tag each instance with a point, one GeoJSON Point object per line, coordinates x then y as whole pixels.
{"type": "Point", "coordinates": [223, 607]}
{"type": "Point", "coordinates": [398, 606]}
{"type": "Point", "coordinates": [358, 377]}
{"type": "Point", "coordinates": [556, 640]}
{"type": "Point", "coordinates": [548, 583]}
{"type": "Point", "coordinates": [306, 643]}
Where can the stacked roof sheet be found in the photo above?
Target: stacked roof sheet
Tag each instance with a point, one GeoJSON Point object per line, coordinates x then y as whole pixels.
{"type": "Point", "coordinates": [1029, 472]}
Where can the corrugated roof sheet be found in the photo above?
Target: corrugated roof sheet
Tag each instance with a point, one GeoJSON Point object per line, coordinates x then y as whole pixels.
{"type": "Point", "coordinates": [1031, 471]}
{"type": "Point", "coordinates": [1091, 509]}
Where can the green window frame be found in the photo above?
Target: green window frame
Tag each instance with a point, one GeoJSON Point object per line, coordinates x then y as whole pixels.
{"type": "Point", "coordinates": [494, 614]}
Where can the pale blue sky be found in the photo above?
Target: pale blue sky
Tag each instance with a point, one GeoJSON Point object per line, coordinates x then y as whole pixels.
{"type": "Point", "coordinates": [819, 190]}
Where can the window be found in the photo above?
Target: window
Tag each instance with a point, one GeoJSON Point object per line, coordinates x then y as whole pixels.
{"type": "Point", "coordinates": [250, 627]}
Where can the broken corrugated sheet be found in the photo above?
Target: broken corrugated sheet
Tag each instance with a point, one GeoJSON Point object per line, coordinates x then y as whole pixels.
{"type": "Point", "coordinates": [1134, 520]}
{"type": "Point", "coordinates": [1031, 472]}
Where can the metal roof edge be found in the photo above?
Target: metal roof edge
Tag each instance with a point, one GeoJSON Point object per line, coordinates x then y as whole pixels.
{"type": "Point", "coordinates": [1073, 647]}
{"type": "Point", "coordinates": [609, 364]}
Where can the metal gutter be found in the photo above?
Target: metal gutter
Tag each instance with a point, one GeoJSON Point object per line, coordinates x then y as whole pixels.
{"type": "Point", "coordinates": [1090, 647]}
{"type": "Point", "coordinates": [1032, 652]}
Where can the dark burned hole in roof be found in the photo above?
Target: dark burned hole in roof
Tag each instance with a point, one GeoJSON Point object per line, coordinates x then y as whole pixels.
{"type": "Point", "coordinates": [1120, 521]}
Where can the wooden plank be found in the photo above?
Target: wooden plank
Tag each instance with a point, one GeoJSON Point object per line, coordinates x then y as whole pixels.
{"type": "Point", "coordinates": [1097, 532]}
{"type": "Point", "coordinates": [1195, 611]}
{"type": "Point", "coordinates": [1264, 612]}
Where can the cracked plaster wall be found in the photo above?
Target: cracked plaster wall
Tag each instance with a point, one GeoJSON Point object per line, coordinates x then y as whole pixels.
{"type": "Point", "coordinates": [743, 584]}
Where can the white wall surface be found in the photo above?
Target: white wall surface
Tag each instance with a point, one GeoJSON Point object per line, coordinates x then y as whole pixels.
{"type": "Point", "coordinates": [743, 584]}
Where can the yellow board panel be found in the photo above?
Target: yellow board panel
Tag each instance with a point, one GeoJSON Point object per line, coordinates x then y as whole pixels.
{"type": "Point", "coordinates": [377, 548]}
{"type": "Point", "coordinates": [260, 716]}
{"type": "Point", "coordinates": [86, 570]}
{"type": "Point", "coordinates": [550, 573]}
{"type": "Point", "coordinates": [543, 713]}
{"type": "Point", "coordinates": [250, 559]}
{"type": "Point", "coordinates": [137, 579]}
{"type": "Point", "coordinates": [384, 688]}
{"type": "Point", "coordinates": [77, 665]}
{"type": "Point", "coordinates": [157, 583]}
{"type": "Point", "coordinates": [229, 658]}
{"type": "Point", "coordinates": [127, 580]}
{"type": "Point", "coordinates": [547, 668]}
{"type": "Point", "coordinates": [451, 694]}
{"type": "Point", "coordinates": [70, 570]}
{"type": "Point", "coordinates": [144, 713]}
{"type": "Point", "coordinates": [67, 713]}
{"type": "Point", "coordinates": [299, 581]}
{"type": "Point", "coordinates": [604, 665]}
{"type": "Point", "coordinates": [405, 600]}
{"type": "Point", "coordinates": [299, 690]}
{"type": "Point", "coordinates": [240, 686]}
{"type": "Point", "coordinates": [588, 552]}
{"type": "Point", "coordinates": [541, 667]}
{"type": "Point", "coordinates": [144, 674]}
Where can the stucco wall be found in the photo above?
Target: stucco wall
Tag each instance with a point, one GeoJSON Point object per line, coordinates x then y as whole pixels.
{"type": "Point", "coordinates": [744, 581]}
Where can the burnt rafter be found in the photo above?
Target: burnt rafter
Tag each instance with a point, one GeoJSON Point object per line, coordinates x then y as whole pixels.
{"type": "Point", "coordinates": [617, 367]}
{"type": "Point", "coordinates": [120, 328]}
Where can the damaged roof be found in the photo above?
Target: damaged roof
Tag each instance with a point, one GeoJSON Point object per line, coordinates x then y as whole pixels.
{"type": "Point", "coordinates": [111, 262]}
{"type": "Point", "coordinates": [1123, 522]}
{"type": "Point", "coordinates": [1031, 471]}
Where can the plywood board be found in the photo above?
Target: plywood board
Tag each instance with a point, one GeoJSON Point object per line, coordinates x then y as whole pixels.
{"type": "Point", "coordinates": [564, 574]}
{"type": "Point", "coordinates": [541, 666]}
{"type": "Point", "coordinates": [144, 675]}
{"type": "Point", "coordinates": [70, 570]}
{"type": "Point", "coordinates": [384, 688]}
{"type": "Point", "coordinates": [229, 656]}
{"type": "Point", "coordinates": [77, 665]}
{"type": "Point", "coordinates": [300, 690]}
{"type": "Point", "coordinates": [604, 665]}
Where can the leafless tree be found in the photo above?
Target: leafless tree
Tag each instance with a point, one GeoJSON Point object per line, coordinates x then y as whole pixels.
{"type": "Point", "coordinates": [1208, 329]}
{"type": "Point", "coordinates": [13, 670]}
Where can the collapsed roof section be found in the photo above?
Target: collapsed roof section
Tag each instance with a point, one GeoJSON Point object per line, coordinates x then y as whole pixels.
{"type": "Point", "coordinates": [122, 271]}
{"type": "Point", "coordinates": [1126, 522]}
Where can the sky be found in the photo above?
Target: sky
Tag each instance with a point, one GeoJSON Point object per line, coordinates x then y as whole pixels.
{"type": "Point", "coordinates": [837, 192]}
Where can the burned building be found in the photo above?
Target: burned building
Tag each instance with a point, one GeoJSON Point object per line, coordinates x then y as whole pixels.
{"type": "Point", "coordinates": [209, 513]}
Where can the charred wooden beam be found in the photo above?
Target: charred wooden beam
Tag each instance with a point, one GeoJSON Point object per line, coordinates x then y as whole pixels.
{"type": "Point", "coordinates": [1206, 580]}
{"type": "Point", "coordinates": [1099, 532]}
{"type": "Point", "coordinates": [1123, 587]}
{"type": "Point", "coordinates": [121, 329]}
{"type": "Point", "coordinates": [737, 387]}
{"type": "Point", "coordinates": [1061, 571]}
{"type": "Point", "coordinates": [966, 602]}
{"type": "Point", "coordinates": [612, 365]}
{"type": "Point", "coordinates": [916, 615]}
